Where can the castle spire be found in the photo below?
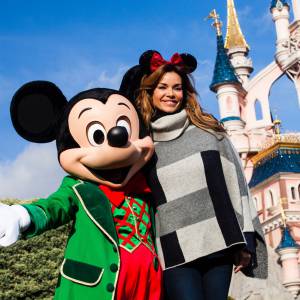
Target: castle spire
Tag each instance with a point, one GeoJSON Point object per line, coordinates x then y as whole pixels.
{"type": "Point", "coordinates": [236, 46]}
{"type": "Point", "coordinates": [288, 250]}
{"type": "Point", "coordinates": [223, 72]}
{"type": "Point", "coordinates": [234, 36]}
{"type": "Point", "coordinates": [217, 22]}
{"type": "Point", "coordinates": [278, 4]}
{"type": "Point", "coordinates": [225, 83]}
{"type": "Point", "coordinates": [287, 240]}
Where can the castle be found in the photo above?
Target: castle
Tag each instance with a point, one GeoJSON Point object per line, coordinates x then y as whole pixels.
{"type": "Point", "coordinates": [271, 160]}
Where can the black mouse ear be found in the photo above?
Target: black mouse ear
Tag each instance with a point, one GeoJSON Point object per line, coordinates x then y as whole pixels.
{"type": "Point", "coordinates": [189, 61]}
{"type": "Point", "coordinates": [36, 109]}
{"type": "Point", "coordinates": [145, 59]}
{"type": "Point", "coordinates": [131, 82]}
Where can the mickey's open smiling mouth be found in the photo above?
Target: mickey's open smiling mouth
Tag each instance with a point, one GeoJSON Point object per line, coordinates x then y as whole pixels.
{"type": "Point", "coordinates": [111, 175]}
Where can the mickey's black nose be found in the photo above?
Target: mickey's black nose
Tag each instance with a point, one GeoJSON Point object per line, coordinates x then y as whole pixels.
{"type": "Point", "coordinates": [117, 136]}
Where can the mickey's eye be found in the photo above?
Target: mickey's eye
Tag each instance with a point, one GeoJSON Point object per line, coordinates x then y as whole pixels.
{"type": "Point", "coordinates": [96, 134]}
{"type": "Point", "coordinates": [124, 122]}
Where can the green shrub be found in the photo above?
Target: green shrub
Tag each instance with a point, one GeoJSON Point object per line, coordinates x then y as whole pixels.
{"type": "Point", "coordinates": [29, 268]}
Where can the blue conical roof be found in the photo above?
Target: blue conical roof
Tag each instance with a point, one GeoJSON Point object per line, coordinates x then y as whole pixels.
{"type": "Point", "coordinates": [281, 2]}
{"type": "Point", "coordinates": [287, 240]}
{"type": "Point", "coordinates": [223, 72]}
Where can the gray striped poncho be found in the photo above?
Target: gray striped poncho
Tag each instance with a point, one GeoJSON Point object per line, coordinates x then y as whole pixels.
{"type": "Point", "coordinates": [202, 199]}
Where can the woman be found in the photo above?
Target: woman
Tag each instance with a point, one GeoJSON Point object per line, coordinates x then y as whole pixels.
{"type": "Point", "coordinates": [205, 218]}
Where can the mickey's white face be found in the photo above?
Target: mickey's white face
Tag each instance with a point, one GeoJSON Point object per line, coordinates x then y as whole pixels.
{"type": "Point", "coordinates": [110, 150]}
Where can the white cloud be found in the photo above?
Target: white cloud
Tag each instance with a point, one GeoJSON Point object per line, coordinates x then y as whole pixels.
{"type": "Point", "coordinates": [34, 173]}
{"type": "Point", "coordinates": [106, 79]}
{"type": "Point", "coordinates": [6, 86]}
{"type": "Point", "coordinates": [86, 75]}
{"type": "Point", "coordinates": [244, 12]}
{"type": "Point", "coordinates": [263, 23]}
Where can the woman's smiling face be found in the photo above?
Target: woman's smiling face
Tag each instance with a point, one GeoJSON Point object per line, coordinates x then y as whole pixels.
{"type": "Point", "coordinates": [168, 94]}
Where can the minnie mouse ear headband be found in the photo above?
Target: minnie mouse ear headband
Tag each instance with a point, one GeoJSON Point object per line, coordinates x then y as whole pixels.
{"type": "Point", "coordinates": [149, 62]}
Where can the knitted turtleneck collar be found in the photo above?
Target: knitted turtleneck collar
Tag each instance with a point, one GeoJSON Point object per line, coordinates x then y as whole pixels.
{"type": "Point", "coordinates": [169, 127]}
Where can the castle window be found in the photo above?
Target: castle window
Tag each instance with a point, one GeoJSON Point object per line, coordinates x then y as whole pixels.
{"type": "Point", "coordinates": [258, 110]}
{"type": "Point", "coordinates": [299, 191]}
{"type": "Point", "coordinates": [269, 199]}
{"type": "Point", "coordinates": [293, 193]}
{"type": "Point", "coordinates": [256, 203]}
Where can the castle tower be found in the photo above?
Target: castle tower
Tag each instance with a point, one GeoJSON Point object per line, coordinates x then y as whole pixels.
{"type": "Point", "coordinates": [288, 256]}
{"type": "Point", "coordinates": [288, 39]}
{"type": "Point", "coordinates": [275, 189]}
{"type": "Point", "coordinates": [226, 84]}
{"type": "Point", "coordinates": [244, 103]}
{"type": "Point", "coordinates": [296, 10]}
{"type": "Point", "coordinates": [281, 12]}
{"type": "Point", "coordinates": [237, 46]}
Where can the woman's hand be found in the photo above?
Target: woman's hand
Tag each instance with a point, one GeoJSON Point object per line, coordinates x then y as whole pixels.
{"type": "Point", "coordinates": [242, 260]}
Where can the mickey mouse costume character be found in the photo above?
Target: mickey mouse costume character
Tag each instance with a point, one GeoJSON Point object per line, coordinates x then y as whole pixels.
{"type": "Point", "coordinates": [110, 253]}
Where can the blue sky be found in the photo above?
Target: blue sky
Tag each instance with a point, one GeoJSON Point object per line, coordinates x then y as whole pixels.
{"type": "Point", "coordinates": [79, 45]}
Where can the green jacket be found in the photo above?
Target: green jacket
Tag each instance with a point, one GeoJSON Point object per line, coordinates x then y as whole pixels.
{"type": "Point", "coordinates": [91, 262]}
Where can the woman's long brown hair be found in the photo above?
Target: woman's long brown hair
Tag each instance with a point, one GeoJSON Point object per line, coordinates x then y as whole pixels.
{"type": "Point", "coordinates": [194, 111]}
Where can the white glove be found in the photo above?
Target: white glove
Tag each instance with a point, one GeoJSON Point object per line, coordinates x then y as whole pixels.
{"type": "Point", "coordinates": [13, 220]}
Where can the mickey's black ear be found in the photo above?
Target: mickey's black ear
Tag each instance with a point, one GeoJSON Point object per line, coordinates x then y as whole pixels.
{"type": "Point", "coordinates": [145, 59]}
{"type": "Point", "coordinates": [36, 109]}
{"type": "Point", "coordinates": [190, 62]}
